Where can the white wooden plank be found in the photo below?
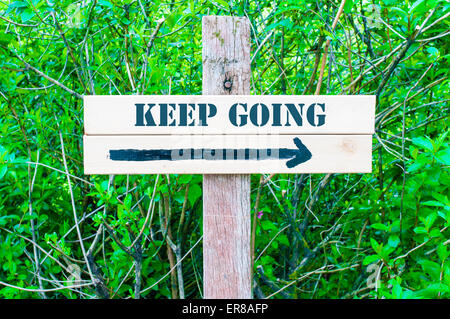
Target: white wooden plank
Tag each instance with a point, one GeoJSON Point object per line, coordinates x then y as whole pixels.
{"type": "Point", "coordinates": [126, 114]}
{"type": "Point", "coordinates": [329, 154]}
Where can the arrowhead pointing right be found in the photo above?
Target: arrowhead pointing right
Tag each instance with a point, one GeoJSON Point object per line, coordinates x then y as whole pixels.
{"type": "Point", "coordinates": [302, 155]}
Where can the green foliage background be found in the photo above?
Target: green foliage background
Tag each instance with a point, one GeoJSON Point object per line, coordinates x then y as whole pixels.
{"type": "Point", "coordinates": [320, 236]}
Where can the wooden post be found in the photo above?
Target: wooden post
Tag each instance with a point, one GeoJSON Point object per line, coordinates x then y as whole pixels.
{"type": "Point", "coordinates": [226, 198]}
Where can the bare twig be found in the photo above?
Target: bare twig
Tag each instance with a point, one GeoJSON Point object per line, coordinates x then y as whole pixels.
{"type": "Point", "coordinates": [62, 86]}
{"type": "Point", "coordinates": [327, 44]}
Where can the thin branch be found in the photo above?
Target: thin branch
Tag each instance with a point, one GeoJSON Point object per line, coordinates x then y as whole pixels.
{"type": "Point", "coordinates": [327, 44]}
{"type": "Point", "coordinates": [62, 86]}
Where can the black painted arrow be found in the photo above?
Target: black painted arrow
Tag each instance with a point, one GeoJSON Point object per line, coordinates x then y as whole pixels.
{"type": "Point", "coordinates": [295, 156]}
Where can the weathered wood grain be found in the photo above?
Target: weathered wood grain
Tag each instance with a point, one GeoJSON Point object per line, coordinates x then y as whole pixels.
{"type": "Point", "coordinates": [226, 199]}
{"type": "Point", "coordinates": [116, 115]}
{"type": "Point", "coordinates": [330, 154]}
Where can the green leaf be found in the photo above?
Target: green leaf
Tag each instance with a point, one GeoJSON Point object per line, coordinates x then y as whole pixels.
{"type": "Point", "coordinates": [420, 6]}
{"type": "Point", "coordinates": [441, 140]}
{"type": "Point", "coordinates": [379, 226]}
{"type": "Point", "coordinates": [440, 197]}
{"type": "Point", "coordinates": [376, 247]}
{"type": "Point", "coordinates": [420, 230]}
{"type": "Point", "coordinates": [443, 157]}
{"type": "Point", "coordinates": [282, 238]}
{"type": "Point", "coordinates": [432, 291]}
{"type": "Point", "coordinates": [433, 51]}
{"type": "Point", "coordinates": [184, 179]}
{"type": "Point", "coordinates": [370, 259]}
{"type": "Point", "coordinates": [195, 192]}
{"type": "Point", "coordinates": [348, 6]}
{"type": "Point", "coordinates": [27, 15]}
{"type": "Point", "coordinates": [429, 220]}
{"type": "Point", "coordinates": [179, 197]}
{"type": "Point", "coordinates": [442, 252]}
{"type": "Point", "coordinates": [420, 162]}
{"type": "Point", "coordinates": [268, 225]}
{"type": "Point", "coordinates": [431, 268]}
{"type": "Point", "coordinates": [393, 241]}
{"type": "Point", "coordinates": [106, 4]}
{"type": "Point", "coordinates": [433, 203]}
{"type": "Point", "coordinates": [389, 2]}
{"type": "Point", "coordinates": [397, 291]}
{"type": "Point", "coordinates": [3, 170]}
{"type": "Point", "coordinates": [423, 142]}
{"type": "Point", "coordinates": [435, 232]}
{"type": "Point", "coordinates": [18, 4]}
{"type": "Point", "coordinates": [125, 21]}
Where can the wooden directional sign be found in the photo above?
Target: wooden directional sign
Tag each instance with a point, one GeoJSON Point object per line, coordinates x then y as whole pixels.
{"type": "Point", "coordinates": [228, 134]}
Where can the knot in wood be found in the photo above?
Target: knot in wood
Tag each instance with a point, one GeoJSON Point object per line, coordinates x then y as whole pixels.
{"type": "Point", "coordinates": [227, 84]}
